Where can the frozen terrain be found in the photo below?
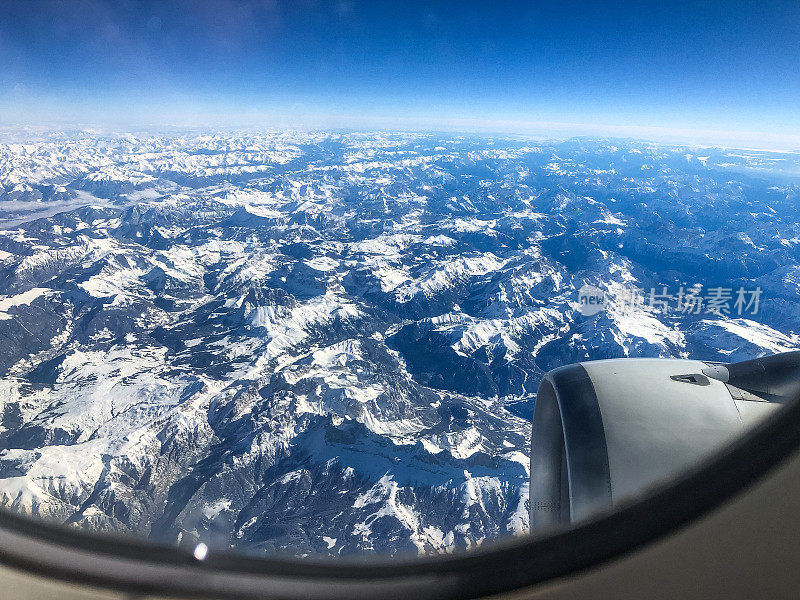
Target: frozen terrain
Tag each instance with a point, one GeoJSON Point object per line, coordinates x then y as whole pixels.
{"type": "Point", "coordinates": [327, 343]}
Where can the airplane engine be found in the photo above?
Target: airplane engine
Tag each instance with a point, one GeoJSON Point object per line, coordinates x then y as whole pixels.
{"type": "Point", "coordinates": [604, 431]}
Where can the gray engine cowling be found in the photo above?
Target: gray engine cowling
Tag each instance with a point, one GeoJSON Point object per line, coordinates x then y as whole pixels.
{"type": "Point", "coordinates": [604, 431]}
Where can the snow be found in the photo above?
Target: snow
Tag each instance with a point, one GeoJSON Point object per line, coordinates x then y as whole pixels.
{"type": "Point", "coordinates": [23, 299]}
{"type": "Point", "coordinates": [329, 541]}
{"type": "Point", "coordinates": [269, 356]}
{"type": "Point", "coordinates": [760, 335]}
{"type": "Point", "coordinates": [288, 327]}
{"type": "Point", "coordinates": [445, 275]}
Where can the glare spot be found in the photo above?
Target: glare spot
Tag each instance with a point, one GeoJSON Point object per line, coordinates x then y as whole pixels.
{"type": "Point", "coordinates": [200, 551]}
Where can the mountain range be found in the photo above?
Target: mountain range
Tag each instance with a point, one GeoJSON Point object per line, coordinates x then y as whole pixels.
{"type": "Point", "coordinates": [329, 343]}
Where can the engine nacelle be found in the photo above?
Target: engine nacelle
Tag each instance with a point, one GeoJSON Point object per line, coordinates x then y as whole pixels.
{"type": "Point", "coordinates": [604, 431]}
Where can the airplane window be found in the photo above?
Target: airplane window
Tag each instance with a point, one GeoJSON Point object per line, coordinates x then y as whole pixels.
{"type": "Point", "coordinates": [335, 280]}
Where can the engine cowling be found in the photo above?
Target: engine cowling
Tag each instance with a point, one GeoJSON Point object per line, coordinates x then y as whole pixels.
{"type": "Point", "coordinates": [604, 431]}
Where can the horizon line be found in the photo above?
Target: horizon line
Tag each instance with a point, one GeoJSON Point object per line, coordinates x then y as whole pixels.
{"type": "Point", "coordinates": [682, 135]}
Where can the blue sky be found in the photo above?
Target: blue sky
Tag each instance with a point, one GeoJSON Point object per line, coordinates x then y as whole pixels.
{"type": "Point", "coordinates": [665, 68]}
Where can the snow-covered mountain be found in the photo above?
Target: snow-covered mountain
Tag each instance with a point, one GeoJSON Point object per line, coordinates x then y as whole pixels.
{"type": "Point", "coordinates": [327, 343]}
